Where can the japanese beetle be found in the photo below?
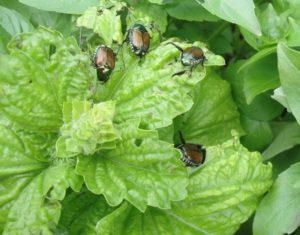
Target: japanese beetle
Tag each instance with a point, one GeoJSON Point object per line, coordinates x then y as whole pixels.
{"type": "Point", "coordinates": [191, 154]}
{"type": "Point", "coordinates": [138, 39]}
{"type": "Point", "coordinates": [191, 56]}
{"type": "Point", "coordinates": [104, 61]}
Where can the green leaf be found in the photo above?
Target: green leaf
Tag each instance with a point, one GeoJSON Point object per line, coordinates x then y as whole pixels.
{"type": "Point", "coordinates": [149, 91]}
{"type": "Point", "coordinates": [105, 22]}
{"type": "Point", "coordinates": [287, 137]}
{"type": "Point", "coordinates": [294, 35]}
{"type": "Point", "coordinates": [223, 193]}
{"type": "Point", "coordinates": [13, 22]}
{"type": "Point", "coordinates": [289, 71]}
{"type": "Point", "coordinates": [189, 10]}
{"type": "Point", "coordinates": [258, 134]}
{"type": "Point", "coordinates": [272, 25]}
{"type": "Point", "coordinates": [62, 6]}
{"type": "Point", "coordinates": [17, 169]}
{"type": "Point", "coordinates": [262, 108]}
{"type": "Point", "coordinates": [141, 169]}
{"type": "Point", "coordinates": [278, 213]}
{"type": "Point", "coordinates": [87, 128]}
{"type": "Point", "coordinates": [82, 218]}
{"type": "Point", "coordinates": [50, 70]}
{"type": "Point", "coordinates": [259, 73]}
{"type": "Point", "coordinates": [210, 123]}
{"type": "Point", "coordinates": [149, 15]}
{"type": "Point", "coordinates": [280, 97]}
{"type": "Point", "coordinates": [40, 199]}
{"type": "Point", "coordinates": [241, 12]}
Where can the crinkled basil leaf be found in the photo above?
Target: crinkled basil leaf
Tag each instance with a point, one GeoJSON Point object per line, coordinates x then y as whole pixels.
{"type": "Point", "coordinates": [81, 212]}
{"type": "Point", "coordinates": [37, 209]}
{"type": "Point", "coordinates": [213, 115]}
{"type": "Point", "coordinates": [150, 91]}
{"type": "Point", "coordinates": [222, 194]}
{"type": "Point", "coordinates": [104, 20]}
{"type": "Point", "coordinates": [86, 129]}
{"type": "Point", "coordinates": [141, 169]}
{"type": "Point", "coordinates": [17, 169]}
{"type": "Point", "coordinates": [42, 71]}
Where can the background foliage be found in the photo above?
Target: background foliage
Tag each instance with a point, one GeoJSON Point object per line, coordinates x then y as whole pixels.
{"type": "Point", "coordinates": [79, 156]}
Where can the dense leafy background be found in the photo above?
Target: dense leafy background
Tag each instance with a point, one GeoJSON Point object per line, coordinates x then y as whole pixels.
{"type": "Point", "coordinates": [83, 157]}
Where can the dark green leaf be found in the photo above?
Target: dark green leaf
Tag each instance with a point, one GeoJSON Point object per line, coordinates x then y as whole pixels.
{"type": "Point", "coordinates": [63, 6]}
{"type": "Point", "coordinates": [189, 10]}
{"type": "Point", "coordinates": [81, 212]}
{"type": "Point", "coordinates": [239, 12]}
{"type": "Point", "coordinates": [210, 123]}
{"type": "Point", "coordinates": [13, 22]}
{"type": "Point", "coordinates": [258, 134]}
{"type": "Point", "coordinates": [288, 135]}
{"type": "Point", "coordinates": [259, 73]}
{"type": "Point", "coordinates": [289, 71]}
{"type": "Point", "coordinates": [278, 213]}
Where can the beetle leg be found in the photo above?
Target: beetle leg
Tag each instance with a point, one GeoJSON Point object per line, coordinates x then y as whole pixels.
{"type": "Point", "coordinates": [178, 73]}
{"type": "Point", "coordinates": [191, 70]}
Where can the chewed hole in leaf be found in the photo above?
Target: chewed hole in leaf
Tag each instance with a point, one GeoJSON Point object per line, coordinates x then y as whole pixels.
{"type": "Point", "coordinates": [138, 142]}
{"type": "Point", "coordinates": [52, 50]}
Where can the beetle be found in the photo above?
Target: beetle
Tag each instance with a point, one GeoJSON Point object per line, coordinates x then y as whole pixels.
{"type": "Point", "coordinates": [191, 154]}
{"type": "Point", "coordinates": [138, 39]}
{"type": "Point", "coordinates": [104, 60]}
{"type": "Point", "coordinates": [191, 56]}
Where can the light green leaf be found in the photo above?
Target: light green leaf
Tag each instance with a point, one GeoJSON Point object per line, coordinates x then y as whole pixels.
{"type": "Point", "coordinates": [189, 10]}
{"type": "Point", "coordinates": [13, 22]}
{"type": "Point", "coordinates": [40, 199]}
{"type": "Point", "coordinates": [62, 6]}
{"type": "Point", "coordinates": [294, 34]}
{"type": "Point", "coordinates": [149, 91]}
{"type": "Point", "coordinates": [271, 24]}
{"type": "Point", "coordinates": [280, 97]}
{"type": "Point", "coordinates": [223, 193]}
{"type": "Point", "coordinates": [258, 134]}
{"type": "Point", "coordinates": [289, 71]}
{"type": "Point", "coordinates": [87, 128]}
{"type": "Point", "coordinates": [287, 137]}
{"type": "Point", "coordinates": [82, 218]}
{"type": "Point", "coordinates": [17, 169]}
{"type": "Point", "coordinates": [105, 22]}
{"type": "Point", "coordinates": [43, 67]}
{"type": "Point", "coordinates": [210, 123]}
{"type": "Point", "coordinates": [161, 2]}
{"type": "Point", "coordinates": [141, 169]}
{"type": "Point", "coordinates": [149, 15]}
{"type": "Point", "coordinates": [278, 213]}
{"type": "Point", "coordinates": [259, 73]}
{"type": "Point", "coordinates": [239, 12]}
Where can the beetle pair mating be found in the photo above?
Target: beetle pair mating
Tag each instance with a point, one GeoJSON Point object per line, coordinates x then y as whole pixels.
{"type": "Point", "coordinates": [104, 58]}
{"type": "Point", "coordinates": [138, 39]}
{"type": "Point", "coordinates": [191, 154]}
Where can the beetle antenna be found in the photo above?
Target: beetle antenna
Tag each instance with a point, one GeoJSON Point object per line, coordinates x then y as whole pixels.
{"type": "Point", "coordinates": [181, 137]}
{"type": "Point", "coordinates": [179, 48]}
